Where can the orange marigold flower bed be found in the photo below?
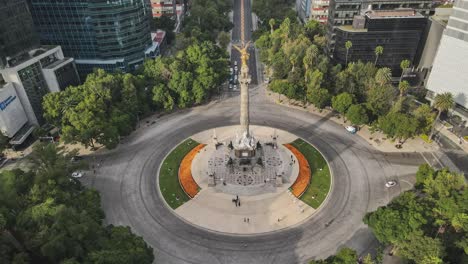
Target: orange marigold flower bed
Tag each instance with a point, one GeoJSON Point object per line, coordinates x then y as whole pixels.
{"type": "Point", "coordinates": [189, 185]}
{"type": "Point", "coordinates": [304, 177]}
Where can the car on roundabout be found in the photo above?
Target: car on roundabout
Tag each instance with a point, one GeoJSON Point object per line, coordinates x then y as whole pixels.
{"type": "Point", "coordinates": [78, 174]}
{"type": "Point", "coordinates": [351, 129]}
{"type": "Point", "coordinates": [390, 184]}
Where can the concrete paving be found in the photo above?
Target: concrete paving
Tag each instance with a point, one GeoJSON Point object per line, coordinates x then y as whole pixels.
{"type": "Point", "coordinates": [264, 207]}
{"type": "Point", "coordinates": [266, 213]}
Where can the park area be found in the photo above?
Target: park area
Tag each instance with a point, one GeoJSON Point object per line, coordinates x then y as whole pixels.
{"type": "Point", "coordinates": [319, 186]}
{"type": "Point", "coordinates": [168, 174]}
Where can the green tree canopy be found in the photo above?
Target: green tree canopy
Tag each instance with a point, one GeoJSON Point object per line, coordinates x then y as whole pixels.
{"type": "Point", "coordinates": [342, 102]}
{"type": "Point", "coordinates": [357, 114]}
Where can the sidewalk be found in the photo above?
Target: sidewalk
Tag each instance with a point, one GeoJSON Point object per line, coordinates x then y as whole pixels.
{"type": "Point", "coordinates": [377, 139]}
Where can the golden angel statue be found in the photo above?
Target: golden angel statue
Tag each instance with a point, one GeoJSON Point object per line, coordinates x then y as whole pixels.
{"type": "Point", "coordinates": [244, 53]}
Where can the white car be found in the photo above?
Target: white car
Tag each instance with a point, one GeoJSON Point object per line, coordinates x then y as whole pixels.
{"type": "Point", "coordinates": [230, 86]}
{"type": "Point", "coordinates": [231, 70]}
{"type": "Point", "coordinates": [235, 86]}
{"type": "Point", "coordinates": [77, 174]}
{"type": "Point", "coordinates": [235, 78]}
{"type": "Point", "coordinates": [351, 129]}
{"type": "Point", "coordinates": [390, 184]}
{"type": "Point", "coordinates": [266, 80]}
{"type": "Point", "coordinates": [235, 63]}
{"type": "Point", "coordinates": [235, 68]}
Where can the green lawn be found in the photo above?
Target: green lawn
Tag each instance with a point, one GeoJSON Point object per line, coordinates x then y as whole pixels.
{"type": "Point", "coordinates": [320, 174]}
{"type": "Point", "coordinates": [168, 175]}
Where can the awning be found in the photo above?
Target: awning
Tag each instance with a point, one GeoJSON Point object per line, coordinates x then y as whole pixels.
{"type": "Point", "coordinates": [22, 134]}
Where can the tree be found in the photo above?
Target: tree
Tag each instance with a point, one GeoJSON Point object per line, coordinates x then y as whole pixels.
{"type": "Point", "coordinates": [224, 38]}
{"type": "Point", "coordinates": [383, 76]}
{"type": "Point", "coordinates": [344, 256]}
{"type": "Point", "coordinates": [422, 249]}
{"type": "Point", "coordinates": [342, 102]}
{"type": "Point", "coordinates": [272, 23]}
{"type": "Point", "coordinates": [403, 86]}
{"type": "Point", "coordinates": [378, 51]}
{"type": "Point", "coordinates": [357, 114]}
{"type": "Point", "coordinates": [424, 172]}
{"type": "Point", "coordinates": [398, 125]}
{"type": "Point", "coordinates": [348, 45]}
{"type": "Point", "coordinates": [427, 225]}
{"type": "Point", "coordinates": [425, 118]}
{"type": "Point", "coordinates": [319, 97]}
{"type": "Point", "coordinates": [46, 217]}
{"type": "Point", "coordinates": [442, 102]}
{"type": "Point", "coordinates": [404, 64]}
{"type": "Point", "coordinates": [379, 99]}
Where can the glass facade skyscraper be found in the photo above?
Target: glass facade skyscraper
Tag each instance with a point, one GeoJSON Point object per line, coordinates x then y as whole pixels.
{"type": "Point", "coordinates": [108, 34]}
{"type": "Point", "coordinates": [16, 29]}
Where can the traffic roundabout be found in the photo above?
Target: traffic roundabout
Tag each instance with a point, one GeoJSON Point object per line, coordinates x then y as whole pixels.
{"type": "Point", "coordinates": [207, 187]}
{"type": "Point", "coordinates": [130, 195]}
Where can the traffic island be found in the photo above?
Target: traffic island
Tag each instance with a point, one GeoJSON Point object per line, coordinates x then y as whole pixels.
{"type": "Point", "coordinates": [169, 183]}
{"type": "Point", "coordinates": [320, 181]}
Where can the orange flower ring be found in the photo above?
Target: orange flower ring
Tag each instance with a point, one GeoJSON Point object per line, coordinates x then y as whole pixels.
{"type": "Point", "coordinates": [303, 179]}
{"type": "Point", "coordinates": [188, 184]}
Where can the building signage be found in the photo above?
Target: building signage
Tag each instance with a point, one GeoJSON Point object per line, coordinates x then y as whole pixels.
{"type": "Point", "coordinates": [6, 102]}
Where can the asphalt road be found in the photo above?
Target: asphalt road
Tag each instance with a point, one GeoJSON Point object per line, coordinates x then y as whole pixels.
{"type": "Point", "coordinates": [236, 37]}
{"type": "Point", "coordinates": [128, 186]}
{"type": "Point", "coordinates": [127, 182]}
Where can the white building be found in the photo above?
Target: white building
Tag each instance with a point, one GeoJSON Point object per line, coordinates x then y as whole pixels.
{"type": "Point", "coordinates": [450, 69]}
{"type": "Point", "coordinates": [32, 75]}
{"type": "Point", "coordinates": [12, 115]}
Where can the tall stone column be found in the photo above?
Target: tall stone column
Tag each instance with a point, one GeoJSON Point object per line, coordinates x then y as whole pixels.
{"type": "Point", "coordinates": [244, 96]}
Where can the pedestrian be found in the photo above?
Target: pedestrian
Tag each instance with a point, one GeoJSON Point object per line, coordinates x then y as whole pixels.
{"type": "Point", "coordinates": [248, 220]}
{"type": "Point", "coordinates": [245, 219]}
{"type": "Point", "coordinates": [239, 204]}
{"type": "Point", "coordinates": [237, 197]}
{"type": "Point", "coordinates": [278, 220]}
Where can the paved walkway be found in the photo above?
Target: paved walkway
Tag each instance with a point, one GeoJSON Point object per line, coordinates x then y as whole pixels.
{"type": "Point", "coordinates": [216, 211]}
{"type": "Point", "coordinates": [268, 209]}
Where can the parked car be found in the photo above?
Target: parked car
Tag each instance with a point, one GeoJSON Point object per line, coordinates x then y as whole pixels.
{"type": "Point", "coordinates": [235, 63]}
{"type": "Point", "coordinates": [351, 129]}
{"type": "Point", "coordinates": [77, 174]}
{"type": "Point", "coordinates": [230, 86]}
{"type": "Point", "coordinates": [231, 70]}
{"type": "Point", "coordinates": [76, 158]}
{"type": "Point", "coordinates": [235, 86]}
{"type": "Point", "coordinates": [235, 68]}
{"type": "Point", "coordinates": [390, 184]}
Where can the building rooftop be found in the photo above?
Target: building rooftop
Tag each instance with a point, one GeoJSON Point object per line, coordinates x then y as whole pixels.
{"type": "Point", "coordinates": [17, 60]}
{"type": "Point", "coordinates": [350, 28]}
{"type": "Point", "coordinates": [395, 13]}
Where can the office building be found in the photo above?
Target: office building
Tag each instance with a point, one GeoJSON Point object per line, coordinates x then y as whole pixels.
{"type": "Point", "coordinates": [342, 12]}
{"type": "Point", "coordinates": [319, 10]}
{"type": "Point", "coordinates": [16, 29]}
{"type": "Point", "coordinates": [303, 9]}
{"type": "Point", "coordinates": [450, 69]}
{"type": "Point", "coordinates": [112, 35]}
{"type": "Point", "coordinates": [36, 73]}
{"type": "Point", "coordinates": [161, 8]}
{"type": "Point", "coordinates": [12, 114]}
{"type": "Point", "coordinates": [397, 31]}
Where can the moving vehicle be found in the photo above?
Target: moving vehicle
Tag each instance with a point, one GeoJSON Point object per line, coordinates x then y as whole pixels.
{"type": "Point", "coordinates": [351, 129]}
{"type": "Point", "coordinates": [77, 174]}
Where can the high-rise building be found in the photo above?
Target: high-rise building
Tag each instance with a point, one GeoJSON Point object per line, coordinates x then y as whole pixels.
{"type": "Point", "coordinates": [342, 12]}
{"type": "Point", "coordinates": [303, 9]}
{"type": "Point", "coordinates": [398, 31]}
{"type": "Point", "coordinates": [97, 33]}
{"type": "Point", "coordinates": [16, 29]}
{"type": "Point", "coordinates": [449, 72]}
{"type": "Point", "coordinates": [319, 10]}
{"type": "Point", "coordinates": [161, 8]}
